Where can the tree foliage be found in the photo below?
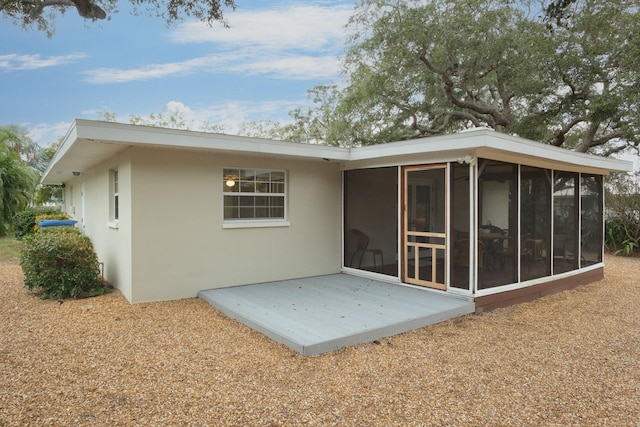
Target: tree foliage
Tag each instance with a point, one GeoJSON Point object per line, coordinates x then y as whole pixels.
{"type": "Point", "coordinates": [622, 228]}
{"type": "Point", "coordinates": [17, 140]}
{"type": "Point", "coordinates": [17, 180]}
{"type": "Point", "coordinates": [173, 117]}
{"type": "Point", "coordinates": [25, 220]}
{"type": "Point", "coordinates": [268, 129]}
{"type": "Point", "coordinates": [320, 122]}
{"type": "Point", "coordinates": [418, 68]}
{"type": "Point", "coordinates": [41, 13]}
{"type": "Point", "coordinates": [309, 124]}
{"type": "Point", "coordinates": [47, 194]}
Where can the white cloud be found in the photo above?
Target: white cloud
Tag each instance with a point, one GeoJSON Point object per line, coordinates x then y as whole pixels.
{"type": "Point", "coordinates": [47, 134]}
{"type": "Point", "coordinates": [231, 114]}
{"type": "Point", "coordinates": [154, 71]}
{"type": "Point", "coordinates": [299, 27]}
{"type": "Point", "coordinates": [292, 67]}
{"type": "Point", "coordinates": [300, 42]}
{"type": "Point", "coordinates": [179, 107]}
{"type": "Point", "coordinates": [15, 62]}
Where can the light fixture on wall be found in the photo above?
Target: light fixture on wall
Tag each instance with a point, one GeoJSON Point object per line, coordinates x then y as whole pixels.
{"type": "Point", "coordinates": [76, 173]}
{"type": "Point", "coordinates": [466, 160]}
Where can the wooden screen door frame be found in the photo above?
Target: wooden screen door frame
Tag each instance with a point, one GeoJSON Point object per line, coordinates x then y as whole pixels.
{"type": "Point", "coordinates": [413, 256]}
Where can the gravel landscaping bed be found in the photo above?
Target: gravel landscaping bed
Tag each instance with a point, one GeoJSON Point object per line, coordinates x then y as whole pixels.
{"type": "Point", "coordinates": [567, 359]}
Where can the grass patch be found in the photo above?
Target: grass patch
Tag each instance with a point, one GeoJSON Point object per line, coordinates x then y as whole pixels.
{"type": "Point", "coordinates": [9, 249]}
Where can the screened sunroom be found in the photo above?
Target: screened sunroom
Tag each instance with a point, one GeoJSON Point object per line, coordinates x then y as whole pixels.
{"type": "Point", "coordinates": [486, 218]}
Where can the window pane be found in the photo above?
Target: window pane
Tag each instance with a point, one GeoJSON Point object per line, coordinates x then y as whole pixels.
{"type": "Point", "coordinates": [262, 187]}
{"type": "Point", "coordinates": [277, 212]}
{"type": "Point", "coordinates": [230, 207]}
{"type": "Point", "coordinates": [114, 201]}
{"type": "Point", "coordinates": [230, 212]}
{"type": "Point", "coordinates": [277, 187]}
{"type": "Point", "coordinates": [591, 219]}
{"type": "Point", "coordinates": [247, 186]}
{"type": "Point", "coordinates": [497, 226]}
{"type": "Point", "coordinates": [230, 201]}
{"type": "Point", "coordinates": [246, 201]}
{"type": "Point", "coordinates": [565, 222]}
{"type": "Point", "coordinates": [459, 190]}
{"type": "Point", "coordinates": [371, 214]}
{"type": "Point", "coordinates": [277, 201]}
{"type": "Point", "coordinates": [535, 223]}
{"type": "Point", "coordinates": [247, 212]}
{"type": "Point", "coordinates": [263, 176]}
{"type": "Point", "coordinates": [262, 212]}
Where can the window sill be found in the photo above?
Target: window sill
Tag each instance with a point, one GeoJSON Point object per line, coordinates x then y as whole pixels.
{"type": "Point", "coordinates": [255, 224]}
{"type": "Point", "coordinates": [113, 224]}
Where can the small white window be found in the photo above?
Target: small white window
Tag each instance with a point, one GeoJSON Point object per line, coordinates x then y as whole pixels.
{"type": "Point", "coordinates": [254, 194]}
{"type": "Point", "coordinates": [114, 202]}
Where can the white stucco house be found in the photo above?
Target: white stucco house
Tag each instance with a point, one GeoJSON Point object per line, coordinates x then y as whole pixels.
{"type": "Point", "coordinates": [480, 214]}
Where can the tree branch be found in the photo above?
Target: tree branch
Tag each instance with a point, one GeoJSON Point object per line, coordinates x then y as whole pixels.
{"type": "Point", "coordinates": [588, 138]}
{"type": "Point", "coordinates": [558, 137]}
{"type": "Point", "coordinates": [590, 141]}
{"type": "Point", "coordinates": [494, 119]}
{"type": "Point", "coordinates": [614, 150]}
{"type": "Point", "coordinates": [85, 8]}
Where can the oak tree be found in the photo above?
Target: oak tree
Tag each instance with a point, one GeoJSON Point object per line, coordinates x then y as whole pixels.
{"type": "Point", "coordinates": [418, 68]}
{"type": "Point", "coordinates": [41, 13]}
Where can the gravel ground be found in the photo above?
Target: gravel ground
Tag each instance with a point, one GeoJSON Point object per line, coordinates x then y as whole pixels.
{"type": "Point", "coordinates": [568, 359]}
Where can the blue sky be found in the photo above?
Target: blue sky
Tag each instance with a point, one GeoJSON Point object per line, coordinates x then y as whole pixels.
{"type": "Point", "coordinates": [259, 68]}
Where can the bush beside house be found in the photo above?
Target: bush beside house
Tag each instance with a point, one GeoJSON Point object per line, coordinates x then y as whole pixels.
{"type": "Point", "coordinates": [60, 262]}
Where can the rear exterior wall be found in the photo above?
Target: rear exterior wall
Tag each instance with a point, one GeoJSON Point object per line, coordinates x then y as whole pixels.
{"type": "Point", "coordinates": [179, 245]}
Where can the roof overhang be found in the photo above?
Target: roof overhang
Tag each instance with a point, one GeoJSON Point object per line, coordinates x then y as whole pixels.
{"type": "Point", "coordinates": [485, 143]}
{"type": "Point", "coordinates": [89, 143]}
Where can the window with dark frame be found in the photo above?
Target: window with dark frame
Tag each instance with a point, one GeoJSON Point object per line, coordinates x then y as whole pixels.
{"type": "Point", "coordinates": [116, 196]}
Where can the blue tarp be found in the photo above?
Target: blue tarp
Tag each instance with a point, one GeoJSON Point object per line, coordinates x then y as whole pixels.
{"type": "Point", "coordinates": [56, 223]}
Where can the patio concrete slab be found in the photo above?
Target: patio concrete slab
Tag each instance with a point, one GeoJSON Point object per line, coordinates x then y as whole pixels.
{"type": "Point", "coordinates": [320, 314]}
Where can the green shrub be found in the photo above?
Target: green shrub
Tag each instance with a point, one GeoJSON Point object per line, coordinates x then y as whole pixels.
{"type": "Point", "coordinates": [622, 227]}
{"type": "Point", "coordinates": [60, 262]}
{"type": "Point", "coordinates": [25, 221]}
{"type": "Point", "coordinates": [621, 236]}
